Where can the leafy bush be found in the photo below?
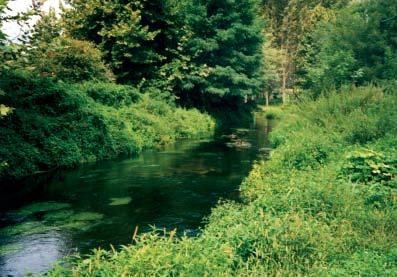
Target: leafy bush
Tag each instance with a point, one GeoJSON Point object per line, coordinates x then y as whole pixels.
{"type": "Point", "coordinates": [369, 166]}
{"type": "Point", "coordinates": [110, 94]}
{"type": "Point", "coordinates": [304, 151]}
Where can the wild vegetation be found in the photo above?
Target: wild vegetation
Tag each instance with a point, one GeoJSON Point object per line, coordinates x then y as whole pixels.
{"type": "Point", "coordinates": [57, 125]}
{"type": "Point", "coordinates": [324, 204]}
{"type": "Point", "coordinates": [115, 77]}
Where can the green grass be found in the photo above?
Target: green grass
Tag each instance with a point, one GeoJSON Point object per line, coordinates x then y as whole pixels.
{"type": "Point", "coordinates": [304, 212]}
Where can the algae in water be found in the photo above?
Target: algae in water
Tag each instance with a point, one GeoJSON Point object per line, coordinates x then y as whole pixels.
{"type": "Point", "coordinates": [25, 228]}
{"type": "Point", "coordinates": [41, 207]}
{"type": "Point", "coordinates": [120, 201]}
{"type": "Point", "coordinates": [9, 248]}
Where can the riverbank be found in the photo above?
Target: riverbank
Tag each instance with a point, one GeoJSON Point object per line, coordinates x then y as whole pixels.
{"type": "Point", "coordinates": [60, 125]}
{"type": "Point", "coordinates": [324, 204]}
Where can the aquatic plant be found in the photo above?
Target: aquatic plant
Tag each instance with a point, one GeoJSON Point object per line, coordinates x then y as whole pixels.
{"type": "Point", "coordinates": [9, 248]}
{"type": "Point", "coordinates": [41, 207]}
{"type": "Point", "coordinates": [120, 201]}
{"type": "Point", "coordinates": [56, 218]}
{"type": "Point", "coordinates": [26, 228]}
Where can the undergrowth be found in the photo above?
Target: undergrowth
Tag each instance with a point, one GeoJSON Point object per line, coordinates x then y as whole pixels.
{"type": "Point", "coordinates": [57, 125]}
{"type": "Point", "coordinates": [325, 204]}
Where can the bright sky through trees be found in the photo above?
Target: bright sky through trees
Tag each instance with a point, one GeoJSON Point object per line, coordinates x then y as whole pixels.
{"type": "Point", "coordinates": [12, 29]}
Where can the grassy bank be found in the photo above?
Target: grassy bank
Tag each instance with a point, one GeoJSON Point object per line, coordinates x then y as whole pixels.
{"type": "Point", "coordinates": [324, 204]}
{"type": "Point", "coordinates": [57, 125]}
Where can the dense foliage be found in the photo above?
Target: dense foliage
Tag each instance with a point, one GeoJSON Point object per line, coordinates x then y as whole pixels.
{"type": "Point", "coordinates": [344, 52]}
{"type": "Point", "coordinates": [56, 124]}
{"type": "Point", "coordinates": [225, 47]}
{"type": "Point", "coordinates": [117, 27]}
{"type": "Point", "coordinates": [325, 204]}
{"type": "Point", "coordinates": [203, 51]}
{"type": "Point", "coordinates": [326, 44]}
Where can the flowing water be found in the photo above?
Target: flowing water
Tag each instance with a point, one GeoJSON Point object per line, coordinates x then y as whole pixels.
{"type": "Point", "coordinates": [100, 204]}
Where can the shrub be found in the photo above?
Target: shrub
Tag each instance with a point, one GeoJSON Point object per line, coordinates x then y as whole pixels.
{"type": "Point", "coordinates": [111, 94]}
{"type": "Point", "coordinates": [304, 150]}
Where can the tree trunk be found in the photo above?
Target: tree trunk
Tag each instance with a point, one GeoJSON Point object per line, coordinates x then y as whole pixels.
{"type": "Point", "coordinates": [284, 83]}
{"type": "Point", "coordinates": [267, 98]}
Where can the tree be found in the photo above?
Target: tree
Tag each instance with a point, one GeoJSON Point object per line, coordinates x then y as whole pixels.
{"type": "Point", "coordinates": [3, 6]}
{"type": "Point", "coordinates": [291, 22]}
{"type": "Point", "coordinates": [137, 37]}
{"type": "Point", "coordinates": [272, 63]}
{"type": "Point", "coordinates": [4, 110]}
{"type": "Point", "coordinates": [47, 52]}
{"type": "Point", "coordinates": [345, 54]}
{"type": "Point", "coordinates": [225, 50]}
{"type": "Point", "coordinates": [200, 50]}
{"type": "Point", "coordinates": [69, 60]}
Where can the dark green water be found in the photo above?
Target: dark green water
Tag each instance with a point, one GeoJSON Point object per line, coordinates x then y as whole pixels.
{"type": "Point", "coordinates": [101, 204]}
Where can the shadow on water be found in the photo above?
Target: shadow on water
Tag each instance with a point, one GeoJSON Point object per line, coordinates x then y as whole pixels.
{"type": "Point", "coordinates": [100, 204]}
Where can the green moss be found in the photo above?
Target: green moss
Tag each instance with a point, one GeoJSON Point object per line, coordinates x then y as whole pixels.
{"type": "Point", "coordinates": [120, 201]}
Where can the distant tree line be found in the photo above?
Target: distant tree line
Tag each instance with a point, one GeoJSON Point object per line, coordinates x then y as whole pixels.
{"type": "Point", "coordinates": [318, 45]}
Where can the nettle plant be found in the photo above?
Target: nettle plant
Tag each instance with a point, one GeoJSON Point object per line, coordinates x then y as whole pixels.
{"type": "Point", "coordinates": [368, 166]}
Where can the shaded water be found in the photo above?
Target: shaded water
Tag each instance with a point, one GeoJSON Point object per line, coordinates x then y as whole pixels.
{"type": "Point", "coordinates": [101, 204]}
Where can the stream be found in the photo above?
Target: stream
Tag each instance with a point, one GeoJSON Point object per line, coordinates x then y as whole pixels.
{"type": "Point", "coordinates": [54, 215]}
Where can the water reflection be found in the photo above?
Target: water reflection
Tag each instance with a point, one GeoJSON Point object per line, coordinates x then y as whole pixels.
{"type": "Point", "coordinates": [37, 252]}
{"type": "Point", "coordinates": [173, 188]}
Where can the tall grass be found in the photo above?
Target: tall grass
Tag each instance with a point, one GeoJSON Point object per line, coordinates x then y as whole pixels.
{"type": "Point", "coordinates": [303, 212]}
